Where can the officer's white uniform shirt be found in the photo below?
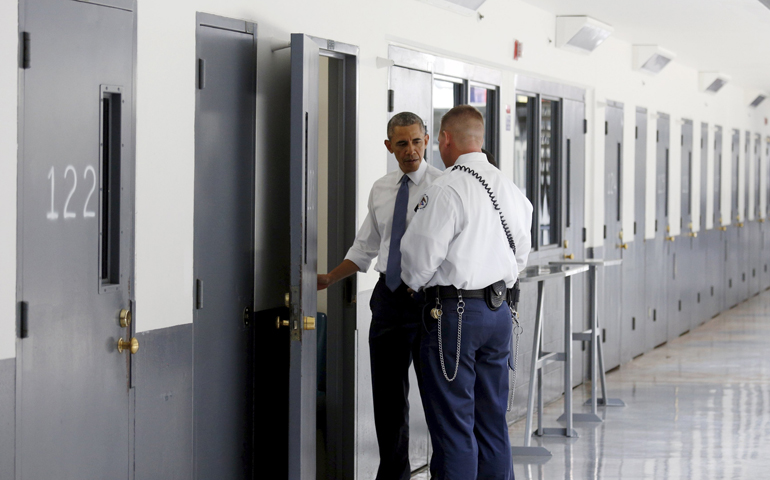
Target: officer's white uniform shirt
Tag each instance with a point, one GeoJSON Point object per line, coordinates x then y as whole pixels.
{"type": "Point", "coordinates": [373, 238]}
{"type": "Point", "coordinates": [456, 237]}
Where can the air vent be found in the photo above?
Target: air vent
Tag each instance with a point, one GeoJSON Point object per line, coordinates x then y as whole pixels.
{"type": "Point", "coordinates": [712, 82]}
{"type": "Point", "coordinates": [581, 34]}
{"type": "Point", "coordinates": [463, 7]}
{"type": "Point", "coordinates": [652, 58]}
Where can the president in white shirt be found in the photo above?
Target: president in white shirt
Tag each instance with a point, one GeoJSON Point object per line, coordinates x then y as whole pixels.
{"type": "Point", "coordinates": [394, 334]}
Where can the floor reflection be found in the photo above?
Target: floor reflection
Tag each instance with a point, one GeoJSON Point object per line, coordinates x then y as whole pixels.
{"type": "Point", "coordinates": [697, 408]}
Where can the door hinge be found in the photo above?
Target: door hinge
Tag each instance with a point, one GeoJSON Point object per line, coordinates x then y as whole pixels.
{"type": "Point", "coordinates": [585, 125]}
{"type": "Point", "coordinates": [198, 294]}
{"type": "Point", "coordinates": [636, 132]}
{"type": "Point", "coordinates": [23, 314]}
{"type": "Point", "coordinates": [390, 101]}
{"type": "Point", "coordinates": [682, 140]}
{"type": "Point", "coordinates": [605, 231]}
{"type": "Point", "coordinates": [606, 128]}
{"type": "Point", "coordinates": [585, 233]}
{"type": "Point", "coordinates": [24, 50]}
{"type": "Point", "coordinates": [201, 74]}
{"type": "Point", "coordinates": [657, 135]}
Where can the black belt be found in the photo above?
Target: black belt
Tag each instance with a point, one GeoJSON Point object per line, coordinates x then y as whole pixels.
{"type": "Point", "coordinates": [450, 291]}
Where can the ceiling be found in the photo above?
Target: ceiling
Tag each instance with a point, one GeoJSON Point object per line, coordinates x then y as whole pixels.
{"type": "Point", "coordinates": [730, 36]}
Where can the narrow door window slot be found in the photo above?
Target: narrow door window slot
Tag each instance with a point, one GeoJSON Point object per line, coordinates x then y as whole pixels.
{"type": "Point", "coordinates": [110, 149]}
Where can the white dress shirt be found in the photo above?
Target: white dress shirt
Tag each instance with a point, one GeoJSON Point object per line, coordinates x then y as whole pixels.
{"type": "Point", "coordinates": [456, 237]}
{"type": "Point", "coordinates": [373, 238]}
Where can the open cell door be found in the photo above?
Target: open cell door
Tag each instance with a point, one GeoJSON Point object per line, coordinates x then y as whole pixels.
{"type": "Point", "coordinates": [303, 165]}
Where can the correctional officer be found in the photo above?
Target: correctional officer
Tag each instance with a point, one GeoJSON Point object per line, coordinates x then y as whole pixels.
{"type": "Point", "coordinates": [394, 334]}
{"type": "Point", "coordinates": [464, 249]}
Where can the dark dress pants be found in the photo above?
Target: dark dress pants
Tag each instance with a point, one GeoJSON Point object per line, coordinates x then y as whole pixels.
{"type": "Point", "coordinates": [466, 417]}
{"type": "Point", "coordinates": [394, 341]}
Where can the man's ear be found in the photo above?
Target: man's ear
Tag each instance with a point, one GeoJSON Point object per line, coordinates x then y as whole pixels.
{"type": "Point", "coordinates": [387, 145]}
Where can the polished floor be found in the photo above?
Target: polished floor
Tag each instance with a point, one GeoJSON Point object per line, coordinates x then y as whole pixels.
{"type": "Point", "coordinates": [697, 408]}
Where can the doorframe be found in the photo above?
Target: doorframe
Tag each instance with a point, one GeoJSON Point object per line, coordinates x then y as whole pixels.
{"type": "Point", "coordinates": [341, 335]}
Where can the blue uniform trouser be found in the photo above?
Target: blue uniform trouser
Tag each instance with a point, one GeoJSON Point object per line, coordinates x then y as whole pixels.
{"type": "Point", "coordinates": [466, 417]}
{"type": "Point", "coordinates": [394, 341]}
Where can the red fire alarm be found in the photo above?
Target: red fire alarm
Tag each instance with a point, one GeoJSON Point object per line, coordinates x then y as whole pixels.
{"type": "Point", "coordinates": [517, 49]}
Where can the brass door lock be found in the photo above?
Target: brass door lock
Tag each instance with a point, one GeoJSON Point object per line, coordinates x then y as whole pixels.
{"type": "Point", "coordinates": [125, 318]}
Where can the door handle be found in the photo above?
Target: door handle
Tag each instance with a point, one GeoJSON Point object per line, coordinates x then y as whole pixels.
{"type": "Point", "coordinates": [571, 256]}
{"type": "Point", "coordinates": [670, 239]}
{"type": "Point", "coordinates": [624, 246]}
{"type": "Point", "coordinates": [131, 345]}
{"type": "Point", "coordinates": [724, 229]}
{"type": "Point", "coordinates": [693, 234]}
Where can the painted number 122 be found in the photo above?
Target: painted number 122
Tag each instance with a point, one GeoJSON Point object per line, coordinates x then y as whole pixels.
{"type": "Point", "coordinates": [52, 213]}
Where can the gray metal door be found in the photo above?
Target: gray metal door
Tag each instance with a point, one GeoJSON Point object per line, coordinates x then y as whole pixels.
{"type": "Point", "coordinates": [303, 198]}
{"type": "Point", "coordinates": [613, 235]}
{"type": "Point", "coordinates": [701, 258]}
{"type": "Point", "coordinates": [717, 248]}
{"type": "Point", "coordinates": [754, 250]}
{"type": "Point", "coordinates": [573, 159]}
{"type": "Point", "coordinates": [734, 265]}
{"type": "Point", "coordinates": [412, 91]}
{"type": "Point", "coordinates": [223, 247]}
{"type": "Point", "coordinates": [765, 282]}
{"type": "Point", "coordinates": [634, 315]}
{"type": "Point", "coordinates": [682, 289]}
{"type": "Point", "coordinates": [76, 234]}
{"type": "Point", "coordinates": [656, 256]}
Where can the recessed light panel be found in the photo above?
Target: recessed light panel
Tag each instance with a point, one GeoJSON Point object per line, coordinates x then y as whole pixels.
{"type": "Point", "coordinates": [651, 58]}
{"type": "Point", "coordinates": [463, 7]}
{"type": "Point", "coordinates": [581, 34]}
{"type": "Point", "coordinates": [760, 98]}
{"type": "Point", "coordinates": [712, 82]}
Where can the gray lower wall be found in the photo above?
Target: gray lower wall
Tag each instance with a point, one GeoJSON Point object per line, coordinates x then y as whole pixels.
{"type": "Point", "coordinates": [163, 392]}
{"type": "Point", "coordinates": [7, 418]}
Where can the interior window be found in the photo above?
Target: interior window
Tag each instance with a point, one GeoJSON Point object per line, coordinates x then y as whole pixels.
{"type": "Point", "coordinates": [548, 174]}
{"type": "Point", "coordinates": [446, 94]}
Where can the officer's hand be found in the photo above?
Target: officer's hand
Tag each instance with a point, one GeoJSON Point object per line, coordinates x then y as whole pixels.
{"type": "Point", "coordinates": [323, 281]}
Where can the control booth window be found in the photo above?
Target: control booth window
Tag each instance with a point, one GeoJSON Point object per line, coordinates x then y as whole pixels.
{"type": "Point", "coordinates": [537, 165]}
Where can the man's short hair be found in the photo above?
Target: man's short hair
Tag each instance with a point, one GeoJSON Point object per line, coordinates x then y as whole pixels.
{"type": "Point", "coordinates": [404, 119]}
{"type": "Point", "coordinates": [461, 112]}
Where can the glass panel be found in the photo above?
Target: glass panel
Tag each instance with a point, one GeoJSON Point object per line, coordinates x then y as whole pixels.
{"type": "Point", "coordinates": [445, 96]}
{"type": "Point", "coordinates": [484, 100]}
{"type": "Point", "coordinates": [521, 170]}
{"type": "Point", "coordinates": [549, 200]}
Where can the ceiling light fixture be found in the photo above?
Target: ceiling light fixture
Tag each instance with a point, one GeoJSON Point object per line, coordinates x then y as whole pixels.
{"type": "Point", "coordinates": [712, 82]}
{"type": "Point", "coordinates": [581, 34]}
{"type": "Point", "coordinates": [755, 97]}
{"type": "Point", "coordinates": [463, 7]}
{"type": "Point", "coordinates": [652, 58]}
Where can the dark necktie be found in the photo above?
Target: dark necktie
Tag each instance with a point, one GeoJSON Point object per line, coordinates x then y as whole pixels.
{"type": "Point", "coordinates": [393, 274]}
